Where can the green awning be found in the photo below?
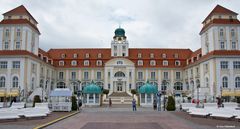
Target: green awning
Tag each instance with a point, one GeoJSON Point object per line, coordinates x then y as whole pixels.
{"type": "Point", "coordinates": [148, 89]}
{"type": "Point", "coordinates": [92, 88]}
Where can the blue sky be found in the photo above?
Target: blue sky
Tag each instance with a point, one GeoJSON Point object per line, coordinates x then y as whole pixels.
{"type": "Point", "coordinates": [91, 23]}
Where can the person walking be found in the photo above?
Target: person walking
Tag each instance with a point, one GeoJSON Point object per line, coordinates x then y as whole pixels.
{"type": "Point", "coordinates": [134, 105]}
{"type": "Point", "coordinates": [154, 104]}
{"type": "Point", "coordinates": [110, 102]}
{"type": "Point", "coordinates": [79, 104]}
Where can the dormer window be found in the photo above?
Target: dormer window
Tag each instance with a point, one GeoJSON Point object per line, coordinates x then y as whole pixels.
{"type": "Point", "coordinates": [119, 62]}
{"type": "Point", "coordinates": [20, 17]}
{"type": "Point", "coordinates": [140, 63]}
{"type": "Point", "coordinates": [152, 63]}
{"type": "Point", "coordinates": [139, 55]}
{"type": "Point", "coordinates": [86, 63]}
{"type": "Point", "coordinates": [9, 17]}
{"type": "Point", "coordinates": [151, 55]}
{"type": "Point", "coordinates": [220, 17]}
{"type": "Point", "coordinates": [99, 55]}
{"type": "Point", "coordinates": [61, 63]}
{"type": "Point", "coordinates": [164, 55]}
{"type": "Point", "coordinates": [87, 55]}
{"type": "Point", "coordinates": [165, 63]}
{"type": "Point", "coordinates": [75, 55]}
{"type": "Point", "coordinates": [177, 63]}
{"type": "Point", "coordinates": [176, 55]}
{"type": "Point", "coordinates": [63, 56]}
{"type": "Point", "coordinates": [74, 63]}
{"type": "Point", "coordinates": [99, 63]}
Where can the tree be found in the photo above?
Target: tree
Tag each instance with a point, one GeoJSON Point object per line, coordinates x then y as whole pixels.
{"type": "Point", "coordinates": [133, 91]}
{"type": "Point", "coordinates": [36, 99]}
{"type": "Point", "coordinates": [106, 91]}
{"type": "Point", "coordinates": [171, 104]}
{"type": "Point", "coordinates": [74, 103]}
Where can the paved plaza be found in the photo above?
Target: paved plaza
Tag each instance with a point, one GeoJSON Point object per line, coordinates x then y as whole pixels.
{"type": "Point", "coordinates": [144, 118]}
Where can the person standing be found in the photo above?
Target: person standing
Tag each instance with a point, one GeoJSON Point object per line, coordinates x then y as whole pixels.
{"type": "Point", "coordinates": [110, 102]}
{"type": "Point", "coordinates": [134, 105]}
{"type": "Point", "coordinates": [154, 104]}
{"type": "Point", "coordinates": [79, 104]}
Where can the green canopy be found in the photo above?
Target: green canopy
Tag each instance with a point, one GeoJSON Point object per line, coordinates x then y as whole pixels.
{"type": "Point", "coordinates": [92, 88]}
{"type": "Point", "coordinates": [148, 89]}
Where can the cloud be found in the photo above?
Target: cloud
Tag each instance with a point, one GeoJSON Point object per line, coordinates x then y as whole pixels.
{"type": "Point", "coordinates": [91, 23]}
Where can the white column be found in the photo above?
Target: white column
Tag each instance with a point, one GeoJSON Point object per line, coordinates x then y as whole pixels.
{"type": "Point", "coordinates": [111, 81]}
{"type": "Point", "coordinates": [133, 79]}
{"type": "Point", "coordinates": [159, 79]}
{"type": "Point", "coordinates": [146, 73]}
{"type": "Point", "coordinates": [92, 74]}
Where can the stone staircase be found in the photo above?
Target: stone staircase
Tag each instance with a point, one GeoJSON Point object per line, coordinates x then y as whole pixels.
{"type": "Point", "coordinates": [119, 98]}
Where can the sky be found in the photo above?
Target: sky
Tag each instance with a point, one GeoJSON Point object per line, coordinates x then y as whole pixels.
{"type": "Point", "coordinates": [91, 23]}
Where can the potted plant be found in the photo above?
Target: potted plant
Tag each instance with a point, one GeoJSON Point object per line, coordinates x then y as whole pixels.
{"type": "Point", "coordinates": [171, 104]}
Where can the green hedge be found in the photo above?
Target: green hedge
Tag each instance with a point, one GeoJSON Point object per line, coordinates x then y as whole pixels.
{"type": "Point", "coordinates": [171, 104]}
{"type": "Point", "coordinates": [74, 103]}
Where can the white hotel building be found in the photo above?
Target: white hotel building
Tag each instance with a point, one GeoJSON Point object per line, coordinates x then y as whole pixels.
{"type": "Point", "coordinates": [213, 69]}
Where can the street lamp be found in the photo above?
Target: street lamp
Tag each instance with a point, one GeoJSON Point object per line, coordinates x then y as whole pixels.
{"type": "Point", "coordinates": [198, 86]}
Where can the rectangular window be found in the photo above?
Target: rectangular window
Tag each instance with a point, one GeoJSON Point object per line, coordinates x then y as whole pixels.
{"type": "Point", "coordinates": [16, 64]}
{"type": "Point", "coordinates": [206, 67]}
{"type": "Point", "coordinates": [99, 75]}
{"type": "Point", "coordinates": [153, 75]}
{"type": "Point", "coordinates": [178, 75]}
{"type": "Point", "coordinates": [224, 64]}
{"type": "Point", "coordinates": [3, 64]}
{"type": "Point", "coordinates": [74, 75]}
{"type": "Point", "coordinates": [60, 75]}
{"type": "Point", "coordinates": [17, 45]}
{"type": "Point", "coordinates": [124, 48]}
{"type": "Point", "coordinates": [140, 75]}
{"type": "Point", "coordinates": [234, 46]}
{"type": "Point", "coordinates": [130, 74]}
{"type": "Point", "coordinates": [236, 64]}
{"type": "Point", "coordinates": [85, 75]}
{"type": "Point", "coordinates": [222, 45]}
{"type": "Point", "coordinates": [165, 75]}
{"type": "Point", "coordinates": [6, 45]}
{"type": "Point", "coordinates": [109, 74]}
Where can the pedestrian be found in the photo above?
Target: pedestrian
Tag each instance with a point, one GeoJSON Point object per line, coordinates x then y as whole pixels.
{"type": "Point", "coordinates": [134, 105]}
{"type": "Point", "coordinates": [79, 104]}
{"type": "Point", "coordinates": [154, 104]}
{"type": "Point", "coordinates": [110, 102]}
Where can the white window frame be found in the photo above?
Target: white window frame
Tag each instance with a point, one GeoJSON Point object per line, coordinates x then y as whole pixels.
{"type": "Point", "coordinates": [224, 64]}
{"type": "Point", "coordinates": [16, 64]}
{"type": "Point", "coordinates": [74, 63]}
{"type": "Point", "coordinates": [86, 63]}
{"type": "Point", "coordinates": [140, 62]}
{"type": "Point", "coordinates": [165, 63]}
{"type": "Point", "coordinates": [61, 63]}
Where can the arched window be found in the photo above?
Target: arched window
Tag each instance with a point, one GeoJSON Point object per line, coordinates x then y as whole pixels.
{"type": "Point", "coordinates": [2, 82]}
{"type": "Point", "coordinates": [100, 84]}
{"type": "Point", "coordinates": [15, 82]}
{"type": "Point", "coordinates": [207, 82]}
{"type": "Point", "coordinates": [99, 63]}
{"type": "Point", "coordinates": [52, 85]}
{"type": "Point", "coordinates": [237, 82]}
{"type": "Point", "coordinates": [154, 83]}
{"type": "Point", "coordinates": [178, 86]}
{"type": "Point", "coordinates": [75, 86]}
{"type": "Point", "coordinates": [187, 85]}
{"type": "Point", "coordinates": [164, 85]}
{"type": "Point", "coordinates": [232, 32]}
{"type": "Point", "coordinates": [119, 74]}
{"type": "Point", "coordinates": [61, 85]}
{"type": "Point", "coordinates": [221, 32]}
{"type": "Point", "coordinates": [139, 84]}
{"type": "Point", "coordinates": [225, 82]}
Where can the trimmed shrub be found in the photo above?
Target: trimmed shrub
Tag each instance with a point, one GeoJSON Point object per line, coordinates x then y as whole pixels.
{"type": "Point", "coordinates": [133, 91]}
{"type": "Point", "coordinates": [74, 103]}
{"type": "Point", "coordinates": [171, 104]}
{"type": "Point", "coordinates": [36, 99]}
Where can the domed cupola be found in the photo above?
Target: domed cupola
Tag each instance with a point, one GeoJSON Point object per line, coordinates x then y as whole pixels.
{"type": "Point", "coordinates": [119, 32]}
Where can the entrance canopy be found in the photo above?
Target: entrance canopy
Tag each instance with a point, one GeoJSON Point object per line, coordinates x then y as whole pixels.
{"type": "Point", "coordinates": [148, 89]}
{"type": "Point", "coordinates": [92, 88]}
{"type": "Point", "coordinates": [61, 92]}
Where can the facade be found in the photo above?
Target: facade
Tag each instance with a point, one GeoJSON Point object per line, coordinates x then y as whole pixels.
{"type": "Point", "coordinates": [207, 73]}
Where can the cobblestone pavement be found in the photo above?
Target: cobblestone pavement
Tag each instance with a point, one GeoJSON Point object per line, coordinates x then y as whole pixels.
{"type": "Point", "coordinates": [144, 118]}
{"type": "Point", "coordinates": [30, 123]}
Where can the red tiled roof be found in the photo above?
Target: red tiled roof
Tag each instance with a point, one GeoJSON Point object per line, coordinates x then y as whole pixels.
{"type": "Point", "coordinates": [19, 21]}
{"type": "Point", "coordinates": [183, 54]}
{"type": "Point", "coordinates": [220, 10]}
{"type": "Point", "coordinates": [216, 53]}
{"type": "Point", "coordinates": [18, 11]}
{"type": "Point", "coordinates": [220, 21]}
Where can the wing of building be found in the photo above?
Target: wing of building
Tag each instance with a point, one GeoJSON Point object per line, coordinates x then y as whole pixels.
{"type": "Point", "coordinates": [212, 71]}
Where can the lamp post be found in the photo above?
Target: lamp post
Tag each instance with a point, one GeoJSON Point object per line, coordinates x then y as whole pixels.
{"type": "Point", "coordinates": [198, 86]}
{"type": "Point", "coordinates": [159, 100]}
